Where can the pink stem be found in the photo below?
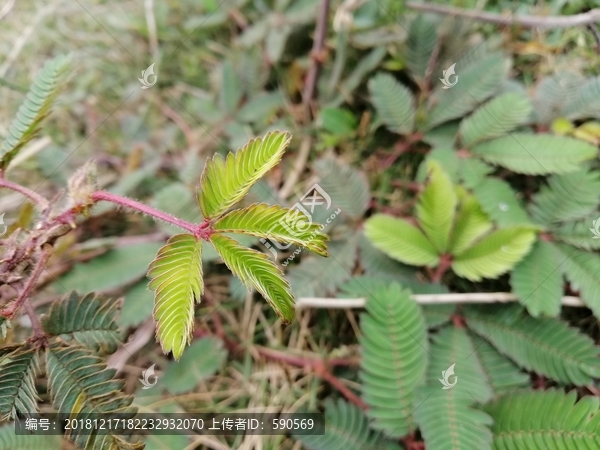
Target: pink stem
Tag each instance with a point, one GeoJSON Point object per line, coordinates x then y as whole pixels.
{"type": "Point", "coordinates": [37, 198]}
{"type": "Point", "coordinates": [129, 203]}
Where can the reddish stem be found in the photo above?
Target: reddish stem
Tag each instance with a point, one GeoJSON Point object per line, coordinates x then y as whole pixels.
{"type": "Point", "coordinates": [445, 263]}
{"type": "Point", "coordinates": [37, 198]}
{"type": "Point", "coordinates": [201, 231]}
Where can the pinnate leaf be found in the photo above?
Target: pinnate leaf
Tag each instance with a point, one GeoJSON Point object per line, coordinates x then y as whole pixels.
{"type": "Point", "coordinates": [255, 270]}
{"type": "Point", "coordinates": [471, 223]}
{"type": "Point", "coordinates": [176, 277]}
{"type": "Point", "coordinates": [225, 182]}
{"type": "Point", "coordinates": [393, 103]}
{"type": "Point", "coordinates": [17, 383]}
{"type": "Point", "coordinates": [495, 254]}
{"type": "Point", "coordinates": [274, 222]}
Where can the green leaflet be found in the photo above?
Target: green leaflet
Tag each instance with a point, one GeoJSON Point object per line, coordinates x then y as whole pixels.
{"type": "Point", "coordinates": [346, 426]}
{"type": "Point", "coordinates": [546, 346]}
{"type": "Point", "coordinates": [393, 103]}
{"type": "Point", "coordinates": [581, 269]}
{"type": "Point", "coordinates": [436, 207]}
{"type": "Point", "coordinates": [422, 37]}
{"type": "Point", "coordinates": [281, 224]}
{"type": "Point", "coordinates": [471, 223]}
{"type": "Point", "coordinates": [537, 281]}
{"type": "Point", "coordinates": [34, 109]}
{"type": "Point", "coordinates": [80, 383]}
{"type": "Point", "coordinates": [567, 424]}
{"type": "Point", "coordinates": [225, 182]}
{"type": "Point", "coordinates": [17, 383]}
{"type": "Point", "coordinates": [584, 102]}
{"type": "Point", "coordinates": [11, 441]}
{"type": "Point", "coordinates": [495, 254]}
{"type": "Point", "coordinates": [496, 118]}
{"type": "Point", "coordinates": [400, 240]}
{"type": "Point", "coordinates": [500, 202]}
{"type": "Point", "coordinates": [176, 277]}
{"type": "Point", "coordinates": [536, 154]}
{"type": "Point", "coordinates": [88, 319]}
{"type": "Point", "coordinates": [256, 271]}
{"type": "Point", "coordinates": [393, 358]}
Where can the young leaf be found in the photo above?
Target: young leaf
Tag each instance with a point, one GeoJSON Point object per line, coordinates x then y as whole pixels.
{"type": "Point", "coordinates": [495, 254]}
{"type": "Point", "coordinates": [34, 109]}
{"type": "Point", "coordinates": [256, 271]}
{"type": "Point", "coordinates": [176, 276]}
{"type": "Point", "coordinates": [581, 269]}
{"type": "Point", "coordinates": [436, 207]}
{"type": "Point", "coordinates": [546, 346]}
{"type": "Point", "coordinates": [393, 358]}
{"type": "Point", "coordinates": [225, 182]}
{"type": "Point", "coordinates": [536, 154]}
{"type": "Point", "coordinates": [496, 118]}
{"type": "Point", "coordinates": [471, 223]}
{"type": "Point", "coordinates": [548, 419]}
{"type": "Point", "coordinates": [282, 224]}
{"type": "Point", "coordinates": [537, 281]}
{"type": "Point", "coordinates": [400, 240]}
{"type": "Point", "coordinates": [80, 383]}
{"type": "Point", "coordinates": [17, 383]}
{"type": "Point", "coordinates": [393, 103]}
{"type": "Point", "coordinates": [88, 319]}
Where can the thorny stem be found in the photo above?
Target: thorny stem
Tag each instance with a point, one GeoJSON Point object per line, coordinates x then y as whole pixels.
{"type": "Point", "coordinates": [37, 198]}
{"type": "Point", "coordinates": [26, 292]}
{"type": "Point", "coordinates": [201, 231]}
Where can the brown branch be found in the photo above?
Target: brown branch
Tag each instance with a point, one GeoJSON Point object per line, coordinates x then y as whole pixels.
{"type": "Point", "coordinates": [38, 332]}
{"type": "Point", "coordinates": [317, 55]}
{"type": "Point", "coordinates": [592, 16]}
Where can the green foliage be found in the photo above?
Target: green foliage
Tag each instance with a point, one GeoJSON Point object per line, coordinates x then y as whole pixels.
{"type": "Point", "coordinates": [11, 441]}
{"type": "Point", "coordinates": [471, 224]}
{"type": "Point", "coordinates": [80, 383]}
{"type": "Point", "coordinates": [202, 359]}
{"type": "Point", "coordinates": [546, 346]}
{"type": "Point", "coordinates": [536, 154]}
{"type": "Point", "coordinates": [422, 37]}
{"type": "Point", "coordinates": [436, 207]}
{"type": "Point", "coordinates": [34, 109]}
{"type": "Point", "coordinates": [275, 222]}
{"type": "Point", "coordinates": [256, 271]}
{"type": "Point", "coordinates": [225, 182]}
{"type": "Point", "coordinates": [393, 350]}
{"type": "Point", "coordinates": [346, 426]}
{"type": "Point", "coordinates": [495, 254]}
{"type": "Point", "coordinates": [501, 202]}
{"type": "Point", "coordinates": [551, 419]}
{"type": "Point", "coordinates": [496, 118]}
{"type": "Point", "coordinates": [17, 383]}
{"type": "Point", "coordinates": [537, 281]}
{"type": "Point", "coordinates": [393, 103]}
{"type": "Point", "coordinates": [88, 319]}
{"type": "Point", "coordinates": [176, 277]}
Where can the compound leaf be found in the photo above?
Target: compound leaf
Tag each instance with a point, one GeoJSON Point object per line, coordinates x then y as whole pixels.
{"type": "Point", "coordinates": [436, 207]}
{"type": "Point", "coordinates": [393, 103]}
{"type": "Point", "coordinates": [79, 383]}
{"type": "Point", "coordinates": [471, 223]}
{"type": "Point", "coordinates": [34, 109]}
{"type": "Point", "coordinates": [256, 271]}
{"type": "Point", "coordinates": [275, 222]}
{"type": "Point", "coordinates": [393, 358]}
{"type": "Point", "coordinates": [500, 202]}
{"type": "Point", "coordinates": [88, 319]}
{"type": "Point", "coordinates": [225, 182]}
{"type": "Point", "coordinates": [496, 118]}
{"type": "Point", "coordinates": [567, 423]}
{"type": "Point", "coordinates": [537, 281]}
{"type": "Point", "coordinates": [536, 154]}
{"type": "Point", "coordinates": [401, 240]}
{"type": "Point", "coordinates": [495, 254]}
{"type": "Point", "coordinates": [545, 345]}
{"type": "Point", "coordinates": [176, 277]}
{"type": "Point", "coordinates": [17, 383]}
